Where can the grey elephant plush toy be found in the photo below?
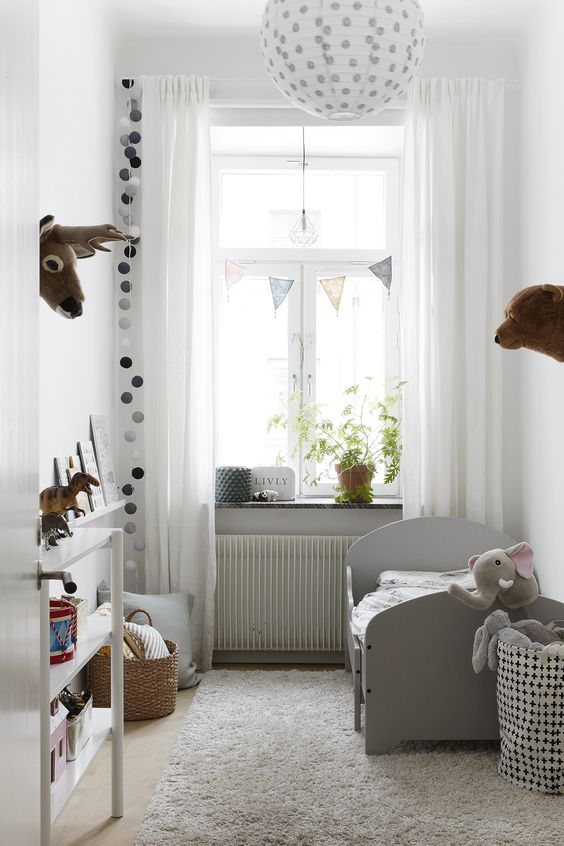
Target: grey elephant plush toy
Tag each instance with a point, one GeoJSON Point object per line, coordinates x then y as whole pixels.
{"type": "Point", "coordinates": [506, 574]}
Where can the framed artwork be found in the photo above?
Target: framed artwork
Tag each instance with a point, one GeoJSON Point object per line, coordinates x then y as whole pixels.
{"type": "Point", "coordinates": [104, 458]}
{"type": "Point", "coordinates": [89, 465]}
{"type": "Point", "coordinates": [61, 466]}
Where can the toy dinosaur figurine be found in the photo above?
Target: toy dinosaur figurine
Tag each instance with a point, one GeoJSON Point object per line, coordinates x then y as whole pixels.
{"type": "Point", "coordinates": [62, 498]}
{"type": "Point", "coordinates": [54, 527]}
{"type": "Point", "coordinates": [59, 248]}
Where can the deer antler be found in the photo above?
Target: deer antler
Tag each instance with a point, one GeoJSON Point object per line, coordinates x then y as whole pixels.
{"type": "Point", "coordinates": [85, 240]}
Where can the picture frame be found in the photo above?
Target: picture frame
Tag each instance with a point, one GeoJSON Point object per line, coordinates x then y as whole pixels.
{"type": "Point", "coordinates": [89, 465]}
{"type": "Point", "coordinates": [61, 466]}
{"type": "Point", "coordinates": [103, 452]}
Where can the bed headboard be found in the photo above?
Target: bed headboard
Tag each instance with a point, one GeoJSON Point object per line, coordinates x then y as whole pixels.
{"type": "Point", "coordinates": [422, 543]}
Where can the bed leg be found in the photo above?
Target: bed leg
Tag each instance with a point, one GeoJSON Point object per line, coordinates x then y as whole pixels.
{"type": "Point", "coordinates": [357, 700]}
{"type": "Point", "coordinates": [377, 748]}
{"type": "Point", "coordinates": [347, 660]}
{"type": "Point", "coordinates": [378, 738]}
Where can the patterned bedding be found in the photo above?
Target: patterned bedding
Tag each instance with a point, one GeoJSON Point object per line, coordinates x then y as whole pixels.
{"type": "Point", "coordinates": [396, 586]}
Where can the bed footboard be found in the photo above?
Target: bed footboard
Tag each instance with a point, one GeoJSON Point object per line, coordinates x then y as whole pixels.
{"type": "Point", "coordinates": [418, 679]}
{"type": "Point", "coordinates": [417, 675]}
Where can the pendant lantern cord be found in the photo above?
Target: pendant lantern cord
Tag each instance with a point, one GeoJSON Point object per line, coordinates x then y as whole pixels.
{"type": "Point", "coordinates": [303, 169]}
{"type": "Point", "coordinates": [303, 233]}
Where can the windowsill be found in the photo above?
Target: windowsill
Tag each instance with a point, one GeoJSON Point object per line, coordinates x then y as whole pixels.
{"type": "Point", "coordinates": [318, 502]}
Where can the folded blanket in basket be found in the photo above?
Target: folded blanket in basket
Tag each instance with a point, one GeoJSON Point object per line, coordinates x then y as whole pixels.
{"type": "Point", "coordinates": [152, 640]}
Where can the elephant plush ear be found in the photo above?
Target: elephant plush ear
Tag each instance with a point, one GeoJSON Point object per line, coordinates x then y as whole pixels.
{"type": "Point", "coordinates": [472, 561]}
{"type": "Point", "coordinates": [522, 556]}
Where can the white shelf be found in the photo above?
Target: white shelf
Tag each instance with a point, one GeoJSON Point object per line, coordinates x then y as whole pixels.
{"type": "Point", "coordinates": [71, 550]}
{"type": "Point", "coordinates": [79, 522]}
{"type": "Point", "coordinates": [98, 632]}
{"type": "Point", "coordinates": [74, 770]}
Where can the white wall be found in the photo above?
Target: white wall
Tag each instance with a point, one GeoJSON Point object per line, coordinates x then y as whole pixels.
{"type": "Point", "coordinates": [75, 164]}
{"type": "Point", "coordinates": [540, 451]}
{"type": "Point", "coordinates": [77, 374]}
{"type": "Point", "coordinates": [236, 68]}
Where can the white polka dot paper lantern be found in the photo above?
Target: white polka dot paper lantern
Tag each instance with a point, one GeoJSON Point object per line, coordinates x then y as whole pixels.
{"type": "Point", "coordinates": [342, 60]}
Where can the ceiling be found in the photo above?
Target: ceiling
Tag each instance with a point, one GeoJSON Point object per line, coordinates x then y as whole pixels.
{"type": "Point", "coordinates": [170, 18]}
{"type": "Point", "coordinates": [442, 16]}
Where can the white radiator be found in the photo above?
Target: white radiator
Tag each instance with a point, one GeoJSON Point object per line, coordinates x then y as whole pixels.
{"type": "Point", "coordinates": [280, 593]}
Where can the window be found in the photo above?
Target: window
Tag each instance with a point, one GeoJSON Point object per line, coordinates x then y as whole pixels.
{"type": "Point", "coordinates": [265, 356]}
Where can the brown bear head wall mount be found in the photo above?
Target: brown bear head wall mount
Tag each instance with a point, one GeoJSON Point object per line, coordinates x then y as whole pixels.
{"type": "Point", "coordinates": [534, 319]}
{"type": "Point", "coordinates": [59, 248]}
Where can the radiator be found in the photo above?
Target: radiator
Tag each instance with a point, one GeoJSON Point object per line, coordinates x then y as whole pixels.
{"type": "Point", "coordinates": [280, 593]}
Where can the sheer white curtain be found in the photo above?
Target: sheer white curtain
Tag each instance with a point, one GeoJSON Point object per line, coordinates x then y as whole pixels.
{"type": "Point", "coordinates": [178, 347]}
{"type": "Point", "coordinates": [452, 299]}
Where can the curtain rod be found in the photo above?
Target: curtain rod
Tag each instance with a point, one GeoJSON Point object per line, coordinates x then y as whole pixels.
{"type": "Point", "coordinates": [509, 82]}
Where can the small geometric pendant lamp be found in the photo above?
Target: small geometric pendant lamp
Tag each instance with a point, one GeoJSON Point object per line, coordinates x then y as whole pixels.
{"type": "Point", "coordinates": [303, 233]}
{"type": "Point", "coordinates": [342, 59]}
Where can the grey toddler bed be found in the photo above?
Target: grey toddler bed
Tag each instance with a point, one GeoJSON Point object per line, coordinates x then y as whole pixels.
{"type": "Point", "coordinates": [413, 671]}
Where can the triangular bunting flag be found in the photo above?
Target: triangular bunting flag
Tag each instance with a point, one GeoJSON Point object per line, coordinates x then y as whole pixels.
{"type": "Point", "coordinates": [233, 273]}
{"type": "Point", "coordinates": [383, 271]}
{"type": "Point", "coordinates": [280, 289]}
{"type": "Point", "coordinates": [334, 290]}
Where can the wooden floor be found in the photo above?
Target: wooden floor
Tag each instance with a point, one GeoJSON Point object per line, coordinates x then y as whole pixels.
{"type": "Point", "coordinates": [86, 820]}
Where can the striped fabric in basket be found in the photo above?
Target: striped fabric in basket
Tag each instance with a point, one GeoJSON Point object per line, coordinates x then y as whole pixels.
{"type": "Point", "coordinates": [152, 640]}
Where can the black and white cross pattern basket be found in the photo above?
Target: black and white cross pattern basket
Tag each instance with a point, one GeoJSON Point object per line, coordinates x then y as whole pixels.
{"type": "Point", "coordinates": [530, 702]}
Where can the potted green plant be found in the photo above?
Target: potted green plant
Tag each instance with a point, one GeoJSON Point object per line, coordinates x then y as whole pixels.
{"type": "Point", "coordinates": [365, 436]}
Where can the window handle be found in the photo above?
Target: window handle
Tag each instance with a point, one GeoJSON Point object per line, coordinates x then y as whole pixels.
{"type": "Point", "coordinates": [294, 383]}
{"type": "Point", "coordinates": [309, 385]}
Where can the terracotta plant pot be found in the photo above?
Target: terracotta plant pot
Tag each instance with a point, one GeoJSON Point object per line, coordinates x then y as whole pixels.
{"type": "Point", "coordinates": [353, 480]}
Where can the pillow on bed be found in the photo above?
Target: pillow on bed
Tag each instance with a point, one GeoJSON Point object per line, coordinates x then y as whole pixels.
{"type": "Point", "coordinates": [170, 613]}
{"type": "Point", "coordinates": [426, 579]}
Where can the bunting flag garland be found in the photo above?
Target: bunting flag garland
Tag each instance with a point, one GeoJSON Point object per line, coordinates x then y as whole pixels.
{"type": "Point", "coordinates": [334, 290]}
{"type": "Point", "coordinates": [280, 289]}
{"type": "Point", "coordinates": [383, 271]}
{"type": "Point", "coordinates": [233, 273]}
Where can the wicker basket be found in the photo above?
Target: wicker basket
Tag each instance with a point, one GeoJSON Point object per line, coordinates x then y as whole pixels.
{"type": "Point", "coordinates": [150, 685]}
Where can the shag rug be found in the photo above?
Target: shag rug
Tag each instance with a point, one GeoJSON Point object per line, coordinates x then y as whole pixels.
{"type": "Point", "coordinates": [270, 758]}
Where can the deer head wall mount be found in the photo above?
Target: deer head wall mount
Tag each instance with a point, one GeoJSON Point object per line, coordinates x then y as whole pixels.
{"type": "Point", "coordinates": [59, 248]}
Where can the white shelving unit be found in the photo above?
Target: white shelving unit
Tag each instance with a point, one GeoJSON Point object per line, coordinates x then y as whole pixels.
{"type": "Point", "coordinates": [106, 722]}
{"type": "Point", "coordinates": [93, 516]}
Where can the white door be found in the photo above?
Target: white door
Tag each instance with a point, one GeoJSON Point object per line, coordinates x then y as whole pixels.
{"type": "Point", "coordinates": [19, 597]}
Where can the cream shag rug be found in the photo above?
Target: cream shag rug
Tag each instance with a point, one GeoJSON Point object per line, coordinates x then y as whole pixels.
{"type": "Point", "coordinates": [271, 759]}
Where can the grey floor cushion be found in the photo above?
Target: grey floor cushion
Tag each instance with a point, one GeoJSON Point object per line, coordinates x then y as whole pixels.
{"type": "Point", "coordinates": [170, 613]}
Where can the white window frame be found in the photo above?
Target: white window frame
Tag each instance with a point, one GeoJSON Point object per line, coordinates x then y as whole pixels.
{"type": "Point", "coordinates": [304, 264]}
